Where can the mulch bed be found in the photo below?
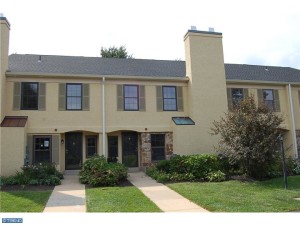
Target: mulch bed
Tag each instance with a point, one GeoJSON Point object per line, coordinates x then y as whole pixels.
{"type": "Point", "coordinates": [8, 188]}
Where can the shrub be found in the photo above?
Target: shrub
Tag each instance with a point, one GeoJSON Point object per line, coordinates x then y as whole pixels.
{"type": "Point", "coordinates": [189, 168]}
{"type": "Point", "coordinates": [217, 176]}
{"type": "Point", "coordinates": [39, 174]}
{"type": "Point", "coordinates": [96, 171]}
{"type": "Point", "coordinates": [248, 136]}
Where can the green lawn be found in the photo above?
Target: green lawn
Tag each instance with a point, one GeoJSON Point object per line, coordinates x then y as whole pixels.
{"type": "Point", "coordinates": [235, 196]}
{"type": "Point", "coordinates": [23, 201]}
{"type": "Point", "coordinates": [118, 199]}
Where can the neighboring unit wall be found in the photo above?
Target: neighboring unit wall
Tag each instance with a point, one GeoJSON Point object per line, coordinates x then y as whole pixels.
{"type": "Point", "coordinates": [284, 106]}
{"type": "Point", "coordinates": [13, 148]}
{"type": "Point", "coordinates": [4, 46]}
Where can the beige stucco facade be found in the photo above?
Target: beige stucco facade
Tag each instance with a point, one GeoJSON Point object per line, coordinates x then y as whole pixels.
{"type": "Point", "coordinates": [203, 94]}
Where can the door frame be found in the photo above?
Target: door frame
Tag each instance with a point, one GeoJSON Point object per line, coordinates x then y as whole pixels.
{"type": "Point", "coordinates": [137, 146]}
{"type": "Point", "coordinates": [81, 151]}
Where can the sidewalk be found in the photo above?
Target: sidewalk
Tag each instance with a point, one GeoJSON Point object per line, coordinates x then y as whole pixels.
{"type": "Point", "coordinates": [67, 197]}
{"type": "Point", "coordinates": [165, 198]}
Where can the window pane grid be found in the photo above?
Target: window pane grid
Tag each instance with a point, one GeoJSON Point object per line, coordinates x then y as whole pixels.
{"type": "Point", "coordinates": [91, 146]}
{"type": "Point", "coordinates": [269, 99]}
{"type": "Point", "coordinates": [158, 146]}
{"type": "Point", "coordinates": [29, 96]}
{"type": "Point", "coordinates": [74, 96]}
{"type": "Point", "coordinates": [237, 96]}
{"type": "Point", "coordinates": [131, 98]}
{"type": "Point", "coordinates": [42, 149]}
{"type": "Point", "coordinates": [169, 98]}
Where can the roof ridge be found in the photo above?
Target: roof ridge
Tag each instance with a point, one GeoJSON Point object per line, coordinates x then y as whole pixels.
{"type": "Point", "coordinates": [99, 57]}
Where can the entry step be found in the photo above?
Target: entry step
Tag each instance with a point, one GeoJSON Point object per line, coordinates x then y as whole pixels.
{"type": "Point", "coordinates": [71, 172]}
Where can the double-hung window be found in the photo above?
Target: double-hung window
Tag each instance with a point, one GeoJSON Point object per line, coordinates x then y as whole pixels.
{"type": "Point", "coordinates": [42, 149]}
{"type": "Point", "coordinates": [169, 98]}
{"type": "Point", "coordinates": [158, 146]}
{"type": "Point", "coordinates": [91, 146]}
{"type": "Point", "coordinates": [29, 96]}
{"type": "Point", "coordinates": [268, 97]}
{"type": "Point", "coordinates": [131, 97]}
{"type": "Point", "coordinates": [237, 96]}
{"type": "Point", "coordinates": [74, 97]}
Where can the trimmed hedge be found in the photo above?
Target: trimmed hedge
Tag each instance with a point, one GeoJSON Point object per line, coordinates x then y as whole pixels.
{"type": "Point", "coordinates": [39, 174]}
{"type": "Point", "coordinates": [203, 167]}
{"type": "Point", "coordinates": [96, 171]}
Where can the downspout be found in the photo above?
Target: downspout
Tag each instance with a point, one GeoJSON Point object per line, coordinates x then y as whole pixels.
{"type": "Point", "coordinates": [103, 118]}
{"type": "Point", "coordinates": [293, 121]}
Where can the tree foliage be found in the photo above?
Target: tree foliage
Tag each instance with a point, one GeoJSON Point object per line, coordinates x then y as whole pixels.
{"type": "Point", "coordinates": [249, 137]}
{"type": "Point", "coordinates": [115, 52]}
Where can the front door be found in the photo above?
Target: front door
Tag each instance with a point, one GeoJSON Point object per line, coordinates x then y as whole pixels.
{"type": "Point", "coordinates": [130, 149]}
{"type": "Point", "coordinates": [73, 151]}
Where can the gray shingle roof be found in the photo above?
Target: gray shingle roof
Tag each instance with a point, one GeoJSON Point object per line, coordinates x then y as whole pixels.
{"type": "Point", "coordinates": [261, 73]}
{"type": "Point", "coordinates": [95, 66]}
{"type": "Point", "coordinates": [140, 67]}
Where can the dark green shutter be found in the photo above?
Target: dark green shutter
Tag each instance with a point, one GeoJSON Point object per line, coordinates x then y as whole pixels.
{"type": "Point", "coordinates": [30, 148]}
{"type": "Point", "coordinates": [42, 96]}
{"type": "Point", "coordinates": [229, 99]}
{"type": "Point", "coordinates": [276, 101]}
{"type": "Point", "coordinates": [17, 96]}
{"type": "Point", "coordinates": [86, 97]}
{"type": "Point", "coordinates": [55, 149]}
{"type": "Point", "coordinates": [245, 93]}
{"type": "Point", "coordinates": [62, 97]}
{"type": "Point", "coordinates": [142, 98]}
{"type": "Point", "coordinates": [159, 99]}
{"type": "Point", "coordinates": [179, 99]}
{"type": "Point", "coordinates": [260, 97]}
{"type": "Point", "coordinates": [120, 101]}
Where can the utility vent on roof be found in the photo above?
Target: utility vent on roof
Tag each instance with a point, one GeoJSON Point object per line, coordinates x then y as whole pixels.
{"type": "Point", "coordinates": [193, 28]}
{"type": "Point", "coordinates": [211, 29]}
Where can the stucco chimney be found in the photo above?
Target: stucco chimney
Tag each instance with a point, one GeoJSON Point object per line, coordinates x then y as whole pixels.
{"type": "Point", "coordinates": [4, 46]}
{"type": "Point", "coordinates": [207, 85]}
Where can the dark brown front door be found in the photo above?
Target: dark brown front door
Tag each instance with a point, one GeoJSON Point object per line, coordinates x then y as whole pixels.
{"type": "Point", "coordinates": [73, 151]}
{"type": "Point", "coordinates": [130, 149]}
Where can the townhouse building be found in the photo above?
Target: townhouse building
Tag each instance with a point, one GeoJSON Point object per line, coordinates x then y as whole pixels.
{"type": "Point", "coordinates": [65, 109]}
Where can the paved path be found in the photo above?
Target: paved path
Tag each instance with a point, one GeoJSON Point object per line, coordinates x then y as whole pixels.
{"type": "Point", "coordinates": [165, 198]}
{"type": "Point", "coordinates": [67, 197]}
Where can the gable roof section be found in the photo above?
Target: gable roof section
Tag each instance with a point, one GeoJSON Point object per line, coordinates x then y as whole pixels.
{"type": "Point", "coordinates": [45, 64]}
{"type": "Point", "coordinates": [261, 73]}
{"type": "Point", "coordinates": [95, 66]}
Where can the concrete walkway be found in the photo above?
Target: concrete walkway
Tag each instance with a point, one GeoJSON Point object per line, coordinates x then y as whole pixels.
{"type": "Point", "coordinates": [67, 197]}
{"type": "Point", "coordinates": [165, 198]}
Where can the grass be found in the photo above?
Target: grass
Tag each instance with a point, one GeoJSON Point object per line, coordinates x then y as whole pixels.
{"type": "Point", "coordinates": [118, 199]}
{"type": "Point", "coordinates": [23, 201]}
{"type": "Point", "coordinates": [235, 196]}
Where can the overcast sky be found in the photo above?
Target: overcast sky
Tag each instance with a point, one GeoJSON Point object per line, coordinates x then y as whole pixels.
{"type": "Point", "coordinates": [260, 32]}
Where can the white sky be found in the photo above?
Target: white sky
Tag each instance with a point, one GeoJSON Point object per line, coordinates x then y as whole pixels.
{"type": "Point", "coordinates": [258, 32]}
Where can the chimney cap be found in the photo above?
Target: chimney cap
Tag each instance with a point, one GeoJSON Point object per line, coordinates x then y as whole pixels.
{"type": "Point", "coordinates": [193, 28]}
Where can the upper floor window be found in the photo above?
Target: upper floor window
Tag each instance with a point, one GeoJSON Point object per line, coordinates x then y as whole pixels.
{"type": "Point", "coordinates": [237, 95]}
{"type": "Point", "coordinates": [29, 96]}
{"type": "Point", "coordinates": [169, 98]}
{"type": "Point", "coordinates": [74, 96]}
{"type": "Point", "coordinates": [131, 98]}
{"type": "Point", "coordinates": [268, 97]}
